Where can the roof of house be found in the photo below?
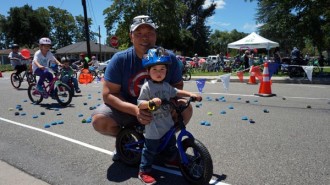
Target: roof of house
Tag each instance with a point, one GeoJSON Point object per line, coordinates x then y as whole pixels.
{"type": "Point", "coordinates": [81, 47]}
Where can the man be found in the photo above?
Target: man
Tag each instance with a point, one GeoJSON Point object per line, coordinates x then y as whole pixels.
{"type": "Point", "coordinates": [124, 76]}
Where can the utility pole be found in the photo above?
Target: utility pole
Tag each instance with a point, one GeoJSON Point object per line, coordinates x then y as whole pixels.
{"type": "Point", "coordinates": [86, 29]}
{"type": "Point", "coordinates": [100, 43]}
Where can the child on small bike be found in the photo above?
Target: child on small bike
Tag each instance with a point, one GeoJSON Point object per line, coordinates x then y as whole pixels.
{"type": "Point", "coordinates": [42, 60]}
{"type": "Point", "coordinates": [16, 58]}
{"type": "Point", "coordinates": [67, 74]}
{"type": "Point", "coordinates": [152, 93]}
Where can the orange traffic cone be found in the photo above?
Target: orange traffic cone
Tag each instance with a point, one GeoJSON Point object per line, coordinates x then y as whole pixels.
{"type": "Point", "coordinates": [265, 89]}
{"type": "Point", "coordinates": [252, 79]}
{"type": "Point", "coordinates": [1, 74]}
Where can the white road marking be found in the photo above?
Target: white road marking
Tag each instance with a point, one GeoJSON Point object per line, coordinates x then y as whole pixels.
{"type": "Point", "coordinates": [175, 172]}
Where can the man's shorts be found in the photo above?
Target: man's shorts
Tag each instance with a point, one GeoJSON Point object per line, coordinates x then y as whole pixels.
{"type": "Point", "coordinates": [122, 119]}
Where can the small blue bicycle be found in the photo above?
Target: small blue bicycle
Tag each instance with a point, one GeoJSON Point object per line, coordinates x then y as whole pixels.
{"type": "Point", "coordinates": [196, 163]}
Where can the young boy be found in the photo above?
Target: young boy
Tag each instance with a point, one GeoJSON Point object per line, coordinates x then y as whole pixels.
{"type": "Point", "coordinates": [41, 61]}
{"type": "Point", "coordinates": [152, 93]}
{"type": "Point", "coordinates": [67, 73]}
{"type": "Point", "coordinates": [16, 58]}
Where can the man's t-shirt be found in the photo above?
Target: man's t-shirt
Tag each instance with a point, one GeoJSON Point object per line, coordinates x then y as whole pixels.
{"type": "Point", "coordinates": [126, 70]}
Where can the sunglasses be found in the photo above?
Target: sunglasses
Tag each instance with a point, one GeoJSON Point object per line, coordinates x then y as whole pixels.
{"type": "Point", "coordinates": [142, 20]}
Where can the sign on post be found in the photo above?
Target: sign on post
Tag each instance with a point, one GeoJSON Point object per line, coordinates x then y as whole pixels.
{"type": "Point", "coordinates": [114, 41]}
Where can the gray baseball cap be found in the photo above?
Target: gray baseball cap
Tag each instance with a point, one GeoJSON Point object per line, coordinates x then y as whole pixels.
{"type": "Point", "coordinates": [141, 20]}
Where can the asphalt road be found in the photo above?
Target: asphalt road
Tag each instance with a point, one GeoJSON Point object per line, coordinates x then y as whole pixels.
{"type": "Point", "coordinates": [288, 145]}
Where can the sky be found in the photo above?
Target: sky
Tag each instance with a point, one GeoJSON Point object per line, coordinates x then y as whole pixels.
{"type": "Point", "coordinates": [229, 15]}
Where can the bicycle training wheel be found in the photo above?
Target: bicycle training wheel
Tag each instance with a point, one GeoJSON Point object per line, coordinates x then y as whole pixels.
{"type": "Point", "coordinates": [199, 169]}
{"type": "Point", "coordinates": [63, 94]}
{"type": "Point", "coordinates": [129, 144]}
{"type": "Point", "coordinates": [15, 80]}
{"type": "Point", "coordinates": [31, 78]}
{"type": "Point", "coordinates": [186, 76]}
{"type": "Point", "coordinates": [34, 94]}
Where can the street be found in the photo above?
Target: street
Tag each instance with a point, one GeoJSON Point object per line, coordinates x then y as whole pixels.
{"type": "Point", "coordinates": [288, 143]}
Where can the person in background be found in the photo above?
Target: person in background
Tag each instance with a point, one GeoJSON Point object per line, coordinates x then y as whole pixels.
{"type": "Point", "coordinates": [67, 74]}
{"type": "Point", "coordinates": [277, 59]}
{"type": "Point", "coordinates": [196, 61]}
{"type": "Point", "coordinates": [94, 62]}
{"type": "Point", "coordinates": [246, 60]}
{"type": "Point", "coordinates": [82, 62]}
{"type": "Point", "coordinates": [321, 62]}
{"type": "Point", "coordinates": [16, 58]}
{"type": "Point", "coordinates": [42, 60]}
{"type": "Point", "coordinates": [152, 93]}
{"type": "Point", "coordinates": [123, 78]}
{"type": "Point", "coordinates": [295, 56]}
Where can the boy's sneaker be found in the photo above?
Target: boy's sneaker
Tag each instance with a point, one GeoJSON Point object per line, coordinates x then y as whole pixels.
{"type": "Point", "coordinates": [146, 178]}
{"type": "Point", "coordinates": [172, 164]}
{"type": "Point", "coordinates": [40, 89]}
{"type": "Point", "coordinates": [78, 91]}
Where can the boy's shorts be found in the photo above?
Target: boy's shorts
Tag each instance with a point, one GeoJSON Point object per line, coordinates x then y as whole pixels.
{"type": "Point", "coordinates": [122, 119]}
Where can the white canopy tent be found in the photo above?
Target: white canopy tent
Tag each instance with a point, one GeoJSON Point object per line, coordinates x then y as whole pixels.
{"type": "Point", "coordinates": [253, 41]}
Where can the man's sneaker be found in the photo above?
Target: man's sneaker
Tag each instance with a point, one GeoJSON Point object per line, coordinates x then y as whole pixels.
{"type": "Point", "coordinates": [116, 156]}
{"type": "Point", "coordinates": [172, 164]}
{"type": "Point", "coordinates": [78, 90]}
{"type": "Point", "coordinates": [40, 89]}
{"type": "Point", "coordinates": [146, 178]}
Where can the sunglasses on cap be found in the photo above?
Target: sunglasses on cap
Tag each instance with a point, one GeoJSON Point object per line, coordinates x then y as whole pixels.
{"type": "Point", "coordinates": [143, 19]}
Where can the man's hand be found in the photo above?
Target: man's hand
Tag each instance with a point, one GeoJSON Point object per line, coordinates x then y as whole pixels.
{"type": "Point", "coordinates": [144, 116]}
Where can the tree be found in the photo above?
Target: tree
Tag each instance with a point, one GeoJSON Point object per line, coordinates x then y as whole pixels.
{"type": "Point", "coordinates": [25, 26]}
{"type": "Point", "coordinates": [79, 32]}
{"type": "Point", "coordinates": [2, 33]}
{"type": "Point", "coordinates": [219, 40]}
{"type": "Point", "coordinates": [62, 27]}
{"type": "Point", "coordinates": [181, 23]}
{"type": "Point", "coordinates": [295, 22]}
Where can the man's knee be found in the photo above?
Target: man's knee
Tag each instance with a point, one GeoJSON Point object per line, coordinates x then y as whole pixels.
{"type": "Point", "coordinates": [105, 125]}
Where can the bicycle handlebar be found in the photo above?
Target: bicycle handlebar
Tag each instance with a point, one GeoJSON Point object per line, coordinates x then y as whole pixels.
{"type": "Point", "coordinates": [179, 108]}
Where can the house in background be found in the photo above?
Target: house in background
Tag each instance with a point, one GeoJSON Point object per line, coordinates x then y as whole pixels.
{"type": "Point", "coordinates": [102, 52]}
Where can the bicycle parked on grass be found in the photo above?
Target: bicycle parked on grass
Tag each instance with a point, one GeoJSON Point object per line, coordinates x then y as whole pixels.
{"type": "Point", "coordinates": [55, 89]}
{"type": "Point", "coordinates": [196, 162]}
{"type": "Point", "coordinates": [17, 79]}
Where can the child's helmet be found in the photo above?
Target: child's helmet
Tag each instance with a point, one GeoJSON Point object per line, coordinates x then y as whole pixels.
{"type": "Point", "coordinates": [156, 56]}
{"type": "Point", "coordinates": [64, 59]}
{"type": "Point", "coordinates": [45, 41]}
{"type": "Point", "coordinates": [14, 46]}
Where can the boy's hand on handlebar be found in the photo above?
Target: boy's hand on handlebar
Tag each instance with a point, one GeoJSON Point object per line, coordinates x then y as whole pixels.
{"type": "Point", "coordinates": [157, 101]}
{"type": "Point", "coordinates": [196, 97]}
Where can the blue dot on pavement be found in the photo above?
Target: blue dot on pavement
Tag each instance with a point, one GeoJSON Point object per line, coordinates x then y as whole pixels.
{"type": "Point", "coordinates": [47, 126]}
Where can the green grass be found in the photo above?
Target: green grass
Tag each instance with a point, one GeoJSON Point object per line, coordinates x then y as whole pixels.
{"type": "Point", "coordinates": [6, 67]}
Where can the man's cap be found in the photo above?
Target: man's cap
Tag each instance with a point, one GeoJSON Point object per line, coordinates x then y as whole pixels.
{"type": "Point", "coordinates": [141, 20]}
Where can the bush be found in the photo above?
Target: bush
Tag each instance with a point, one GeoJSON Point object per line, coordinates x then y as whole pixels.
{"type": "Point", "coordinates": [6, 67]}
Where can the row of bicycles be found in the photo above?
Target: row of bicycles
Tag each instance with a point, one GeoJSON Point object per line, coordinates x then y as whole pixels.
{"type": "Point", "coordinates": [294, 67]}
